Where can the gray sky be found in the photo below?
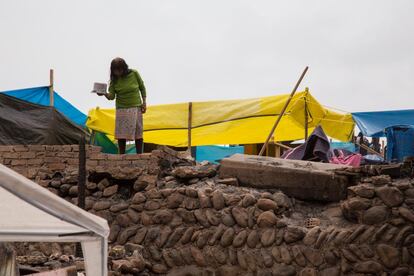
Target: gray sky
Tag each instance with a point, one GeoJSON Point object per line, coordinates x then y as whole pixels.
{"type": "Point", "coordinates": [360, 53]}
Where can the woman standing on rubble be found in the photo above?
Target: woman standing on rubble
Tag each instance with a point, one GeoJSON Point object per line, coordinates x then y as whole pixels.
{"type": "Point", "coordinates": [127, 87]}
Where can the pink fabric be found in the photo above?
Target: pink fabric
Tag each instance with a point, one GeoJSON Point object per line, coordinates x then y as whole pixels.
{"type": "Point", "coordinates": [353, 160]}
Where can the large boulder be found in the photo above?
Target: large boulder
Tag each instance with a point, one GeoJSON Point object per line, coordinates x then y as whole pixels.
{"type": "Point", "coordinates": [391, 196]}
{"type": "Point", "coordinates": [375, 215]}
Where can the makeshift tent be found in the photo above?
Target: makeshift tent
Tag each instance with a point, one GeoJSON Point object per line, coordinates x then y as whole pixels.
{"type": "Point", "coordinates": [25, 123]}
{"type": "Point", "coordinates": [40, 96]}
{"type": "Point", "coordinates": [400, 143]}
{"type": "Point", "coordinates": [373, 124]}
{"type": "Point", "coordinates": [231, 122]}
{"type": "Point", "coordinates": [214, 154]}
{"type": "Point", "coordinates": [30, 213]}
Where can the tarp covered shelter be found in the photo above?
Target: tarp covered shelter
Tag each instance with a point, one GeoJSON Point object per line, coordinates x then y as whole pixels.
{"type": "Point", "coordinates": [232, 121]}
{"type": "Point", "coordinates": [40, 96]}
{"type": "Point", "coordinates": [25, 123]}
{"type": "Point", "coordinates": [400, 143]}
{"type": "Point", "coordinates": [30, 213]}
{"type": "Point", "coordinates": [373, 124]}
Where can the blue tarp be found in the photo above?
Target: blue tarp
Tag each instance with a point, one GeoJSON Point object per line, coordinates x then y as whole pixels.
{"type": "Point", "coordinates": [373, 124]}
{"type": "Point", "coordinates": [400, 143]}
{"type": "Point", "coordinates": [40, 96]}
{"type": "Point", "coordinates": [214, 154]}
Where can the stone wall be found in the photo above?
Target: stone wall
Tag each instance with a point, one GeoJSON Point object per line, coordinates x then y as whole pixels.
{"type": "Point", "coordinates": [36, 161]}
{"type": "Point", "coordinates": [207, 226]}
{"type": "Point", "coordinates": [168, 216]}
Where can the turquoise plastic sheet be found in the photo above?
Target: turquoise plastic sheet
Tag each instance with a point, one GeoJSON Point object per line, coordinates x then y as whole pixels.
{"type": "Point", "coordinates": [214, 154]}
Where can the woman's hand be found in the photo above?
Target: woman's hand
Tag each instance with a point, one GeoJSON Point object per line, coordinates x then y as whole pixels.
{"type": "Point", "coordinates": [144, 108]}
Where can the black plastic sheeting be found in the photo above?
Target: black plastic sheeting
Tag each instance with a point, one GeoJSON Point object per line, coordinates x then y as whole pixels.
{"type": "Point", "coordinates": [23, 123]}
{"type": "Point", "coordinates": [315, 148]}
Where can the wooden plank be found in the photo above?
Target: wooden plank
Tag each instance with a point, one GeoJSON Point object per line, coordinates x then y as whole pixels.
{"type": "Point", "coordinates": [369, 149]}
{"type": "Point", "coordinates": [278, 150]}
{"type": "Point", "coordinates": [282, 145]}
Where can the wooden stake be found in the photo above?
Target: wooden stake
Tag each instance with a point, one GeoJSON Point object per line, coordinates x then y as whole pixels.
{"type": "Point", "coordinates": [82, 173]}
{"type": "Point", "coordinates": [282, 146]}
{"type": "Point", "coordinates": [306, 114]}
{"type": "Point", "coordinates": [190, 119]}
{"type": "Point", "coordinates": [279, 118]}
{"type": "Point", "coordinates": [369, 149]}
{"type": "Point", "coordinates": [51, 88]}
{"type": "Point", "coordinates": [81, 184]}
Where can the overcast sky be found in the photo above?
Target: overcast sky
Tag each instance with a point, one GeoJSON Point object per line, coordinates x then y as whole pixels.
{"type": "Point", "coordinates": [360, 53]}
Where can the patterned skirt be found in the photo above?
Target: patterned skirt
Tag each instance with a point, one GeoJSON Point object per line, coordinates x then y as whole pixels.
{"type": "Point", "coordinates": [128, 123]}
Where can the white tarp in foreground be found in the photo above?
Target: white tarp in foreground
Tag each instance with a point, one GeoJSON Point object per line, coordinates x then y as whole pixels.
{"type": "Point", "coordinates": [31, 213]}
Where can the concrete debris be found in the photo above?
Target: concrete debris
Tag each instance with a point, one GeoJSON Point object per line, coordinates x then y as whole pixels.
{"type": "Point", "coordinates": [300, 179]}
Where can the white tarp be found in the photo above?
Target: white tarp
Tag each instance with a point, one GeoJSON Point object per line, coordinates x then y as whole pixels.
{"type": "Point", "coordinates": [31, 213]}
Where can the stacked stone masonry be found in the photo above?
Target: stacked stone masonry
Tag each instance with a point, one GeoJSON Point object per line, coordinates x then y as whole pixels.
{"type": "Point", "coordinates": [36, 161]}
{"type": "Point", "coordinates": [169, 216]}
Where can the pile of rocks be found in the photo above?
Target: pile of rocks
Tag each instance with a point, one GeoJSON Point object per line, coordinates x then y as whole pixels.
{"type": "Point", "coordinates": [38, 257]}
{"type": "Point", "coordinates": [176, 217]}
{"type": "Point", "coordinates": [377, 200]}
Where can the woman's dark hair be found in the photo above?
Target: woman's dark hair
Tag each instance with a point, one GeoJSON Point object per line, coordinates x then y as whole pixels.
{"type": "Point", "coordinates": [118, 64]}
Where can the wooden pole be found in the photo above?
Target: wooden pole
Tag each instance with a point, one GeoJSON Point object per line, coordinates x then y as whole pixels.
{"type": "Point", "coordinates": [81, 183]}
{"type": "Point", "coordinates": [306, 114]}
{"type": "Point", "coordinates": [51, 88]}
{"type": "Point", "coordinates": [369, 149]}
{"type": "Point", "coordinates": [82, 173]}
{"type": "Point", "coordinates": [282, 146]}
{"type": "Point", "coordinates": [8, 264]}
{"type": "Point", "coordinates": [279, 118]}
{"type": "Point", "coordinates": [190, 120]}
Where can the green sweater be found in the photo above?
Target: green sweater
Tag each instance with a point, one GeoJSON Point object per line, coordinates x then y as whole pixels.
{"type": "Point", "coordinates": [129, 90]}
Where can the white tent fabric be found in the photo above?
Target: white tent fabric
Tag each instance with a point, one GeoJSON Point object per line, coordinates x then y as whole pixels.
{"type": "Point", "coordinates": [31, 213]}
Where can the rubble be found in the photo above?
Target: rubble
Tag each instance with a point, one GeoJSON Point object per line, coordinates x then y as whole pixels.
{"type": "Point", "coordinates": [163, 224]}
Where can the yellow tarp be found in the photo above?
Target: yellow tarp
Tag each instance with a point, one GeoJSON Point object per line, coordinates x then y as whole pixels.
{"type": "Point", "coordinates": [231, 122]}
